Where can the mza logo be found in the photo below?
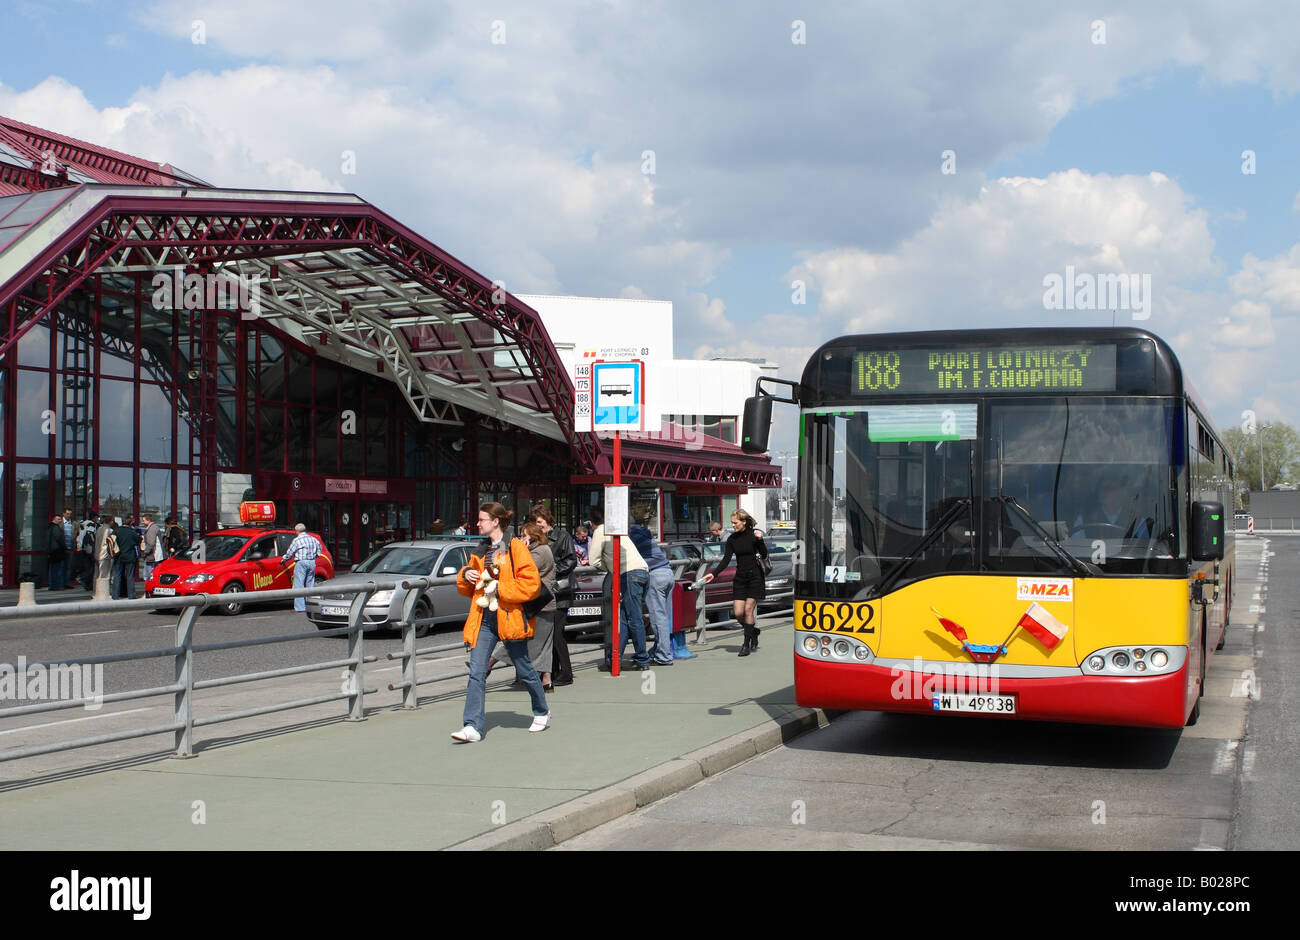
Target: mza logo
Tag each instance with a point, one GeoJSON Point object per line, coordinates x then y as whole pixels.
{"type": "Point", "coordinates": [1044, 589]}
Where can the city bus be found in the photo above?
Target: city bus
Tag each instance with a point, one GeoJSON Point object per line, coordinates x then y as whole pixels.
{"type": "Point", "coordinates": [1016, 523]}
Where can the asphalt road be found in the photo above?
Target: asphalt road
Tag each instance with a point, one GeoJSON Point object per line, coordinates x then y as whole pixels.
{"type": "Point", "coordinates": [874, 781]}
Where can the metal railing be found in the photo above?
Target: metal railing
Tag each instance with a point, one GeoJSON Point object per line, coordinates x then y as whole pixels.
{"type": "Point", "coordinates": [184, 650]}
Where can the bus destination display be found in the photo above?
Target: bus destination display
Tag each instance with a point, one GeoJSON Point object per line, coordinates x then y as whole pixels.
{"type": "Point", "coordinates": [986, 370]}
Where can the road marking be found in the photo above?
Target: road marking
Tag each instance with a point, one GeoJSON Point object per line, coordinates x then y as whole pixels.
{"type": "Point", "coordinates": [1248, 763]}
{"type": "Point", "coordinates": [1225, 758]}
{"type": "Point", "coordinates": [68, 721]}
{"type": "Point", "coordinates": [95, 633]}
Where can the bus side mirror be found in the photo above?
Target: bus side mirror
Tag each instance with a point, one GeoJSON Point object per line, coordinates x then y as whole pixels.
{"type": "Point", "coordinates": [1207, 530]}
{"type": "Point", "coordinates": [756, 424]}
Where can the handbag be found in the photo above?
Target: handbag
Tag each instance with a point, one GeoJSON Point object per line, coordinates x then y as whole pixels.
{"type": "Point", "coordinates": [531, 609]}
{"type": "Point", "coordinates": [765, 563]}
{"type": "Point", "coordinates": [534, 607]}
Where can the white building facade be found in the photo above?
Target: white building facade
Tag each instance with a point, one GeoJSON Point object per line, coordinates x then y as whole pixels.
{"type": "Point", "coordinates": [696, 401]}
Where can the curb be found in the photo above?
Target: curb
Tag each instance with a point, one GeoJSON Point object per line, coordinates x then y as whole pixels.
{"type": "Point", "coordinates": [550, 827]}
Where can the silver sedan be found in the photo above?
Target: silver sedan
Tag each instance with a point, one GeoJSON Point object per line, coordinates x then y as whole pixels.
{"type": "Point", "coordinates": [441, 604]}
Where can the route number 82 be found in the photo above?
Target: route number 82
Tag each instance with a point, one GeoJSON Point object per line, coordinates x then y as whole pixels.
{"type": "Point", "coordinates": [838, 618]}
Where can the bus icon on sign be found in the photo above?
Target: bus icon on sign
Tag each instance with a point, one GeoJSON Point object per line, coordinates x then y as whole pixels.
{"type": "Point", "coordinates": [616, 389]}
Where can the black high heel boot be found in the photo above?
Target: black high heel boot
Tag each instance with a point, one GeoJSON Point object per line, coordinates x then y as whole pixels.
{"type": "Point", "coordinates": [753, 643]}
{"type": "Point", "coordinates": [744, 649]}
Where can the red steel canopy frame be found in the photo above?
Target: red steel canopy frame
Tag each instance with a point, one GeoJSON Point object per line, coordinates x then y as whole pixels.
{"type": "Point", "coordinates": [332, 266]}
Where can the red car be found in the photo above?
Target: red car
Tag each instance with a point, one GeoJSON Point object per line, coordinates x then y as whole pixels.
{"type": "Point", "coordinates": [233, 560]}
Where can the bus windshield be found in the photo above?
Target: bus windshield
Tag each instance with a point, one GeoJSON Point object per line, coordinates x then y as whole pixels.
{"type": "Point", "coordinates": [898, 492]}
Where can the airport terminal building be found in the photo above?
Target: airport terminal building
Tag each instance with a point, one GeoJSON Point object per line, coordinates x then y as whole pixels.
{"type": "Point", "coordinates": [171, 347]}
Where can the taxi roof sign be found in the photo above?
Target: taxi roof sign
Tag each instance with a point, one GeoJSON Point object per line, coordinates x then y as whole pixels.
{"type": "Point", "coordinates": [257, 511]}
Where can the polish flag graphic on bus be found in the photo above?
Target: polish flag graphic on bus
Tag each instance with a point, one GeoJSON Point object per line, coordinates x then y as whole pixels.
{"type": "Point", "coordinates": [1045, 628]}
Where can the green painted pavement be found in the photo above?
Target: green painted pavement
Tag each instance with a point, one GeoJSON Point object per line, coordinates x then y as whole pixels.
{"type": "Point", "coordinates": [397, 780]}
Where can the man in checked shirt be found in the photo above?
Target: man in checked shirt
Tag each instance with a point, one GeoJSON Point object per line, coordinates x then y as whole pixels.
{"type": "Point", "coordinates": [304, 549]}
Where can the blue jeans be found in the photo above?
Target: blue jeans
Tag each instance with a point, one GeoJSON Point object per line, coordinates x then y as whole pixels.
{"type": "Point", "coordinates": [122, 582]}
{"type": "Point", "coordinates": [659, 599]}
{"type": "Point", "coordinates": [476, 689]}
{"type": "Point", "coordinates": [59, 574]}
{"type": "Point", "coordinates": [631, 625]}
{"type": "Point", "coordinates": [304, 576]}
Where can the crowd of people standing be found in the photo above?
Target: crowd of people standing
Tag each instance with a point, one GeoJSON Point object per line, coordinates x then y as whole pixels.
{"type": "Point", "coordinates": [80, 553]}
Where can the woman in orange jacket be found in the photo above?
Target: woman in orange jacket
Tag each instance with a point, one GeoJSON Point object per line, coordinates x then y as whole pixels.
{"type": "Point", "coordinates": [496, 613]}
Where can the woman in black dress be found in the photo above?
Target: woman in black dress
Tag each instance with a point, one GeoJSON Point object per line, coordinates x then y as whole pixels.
{"type": "Point", "coordinates": [749, 585]}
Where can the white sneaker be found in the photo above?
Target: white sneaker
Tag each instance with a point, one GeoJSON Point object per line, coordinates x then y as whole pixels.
{"type": "Point", "coordinates": [540, 722]}
{"type": "Point", "coordinates": [467, 735]}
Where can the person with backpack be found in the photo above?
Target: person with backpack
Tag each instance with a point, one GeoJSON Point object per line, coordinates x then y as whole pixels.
{"type": "Point", "coordinates": [127, 542]}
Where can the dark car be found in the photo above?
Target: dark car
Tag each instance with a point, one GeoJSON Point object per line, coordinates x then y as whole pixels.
{"type": "Point", "coordinates": [586, 609]}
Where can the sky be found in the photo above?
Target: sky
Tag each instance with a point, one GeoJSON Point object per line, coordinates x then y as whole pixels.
{"type": "Point", "coordinates": [783, 172]}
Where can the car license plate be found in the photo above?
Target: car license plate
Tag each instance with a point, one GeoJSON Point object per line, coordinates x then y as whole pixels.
{"type": "Point", "coordinates": [334, 611]}
{"type": "Point", "coordinates": [989, 704]}
{"type": "Point", "coordinates": [584, 611]}
{"type": "Point", "coordinates": [164, 592]}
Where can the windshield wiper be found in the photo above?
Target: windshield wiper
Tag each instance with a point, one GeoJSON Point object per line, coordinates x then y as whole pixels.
{"type": "Point", "coordinates": [940, 527]}
{"type": "Point", "coordinates": [1074, 563]}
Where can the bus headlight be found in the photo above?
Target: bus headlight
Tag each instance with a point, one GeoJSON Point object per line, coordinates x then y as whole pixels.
{"type": "Point", "coordinates": [841, 648]}
{"type": "Point", "coordinates": [862, 652]}
{"type": "Point", "coordinates": [1133, 661]}
{"type": "Point", "coordinates": [810, 644]}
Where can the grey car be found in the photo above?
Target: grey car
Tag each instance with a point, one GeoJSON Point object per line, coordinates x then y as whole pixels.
{"type": "Point", "coordinates": [394, 561]}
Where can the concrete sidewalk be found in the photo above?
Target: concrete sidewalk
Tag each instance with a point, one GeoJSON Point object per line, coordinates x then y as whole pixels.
{"type": "Point", "coordinates": [397, 780]}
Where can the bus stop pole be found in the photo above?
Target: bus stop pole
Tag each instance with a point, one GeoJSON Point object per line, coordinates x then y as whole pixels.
{"type": "Point", "coordinates": [617, 570]}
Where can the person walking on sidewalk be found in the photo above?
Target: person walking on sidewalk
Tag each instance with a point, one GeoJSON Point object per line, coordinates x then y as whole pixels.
{"type": "Point", "coordinates": [303, 550]}
{"type": "Point", "coordinates": [517, 582]}
{"type": "Point", "coordinates": [749, 586]}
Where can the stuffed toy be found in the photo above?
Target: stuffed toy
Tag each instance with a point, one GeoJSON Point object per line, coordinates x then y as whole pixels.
{"type": "Point", "coordinates": [486, 589]}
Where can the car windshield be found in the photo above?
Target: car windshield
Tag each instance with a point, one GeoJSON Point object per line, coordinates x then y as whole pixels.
{"type": "Point", "coordinates": [394, 560]}
{"type": "Point", "coordinates": [779, 544]}
{"type": "Point", "coordinates": [214, 548]}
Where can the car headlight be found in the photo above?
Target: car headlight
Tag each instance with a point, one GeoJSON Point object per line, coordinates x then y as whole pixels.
{"type": "Point", "coordinates": [199, 578]}
{"type": "Point", "coordinates": [383, 598]}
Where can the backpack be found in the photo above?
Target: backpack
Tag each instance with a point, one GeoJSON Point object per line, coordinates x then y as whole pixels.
{"type": "Point", "coordinates": [88, 539]}
{"type": "Point", "coordinates": [110, 542]}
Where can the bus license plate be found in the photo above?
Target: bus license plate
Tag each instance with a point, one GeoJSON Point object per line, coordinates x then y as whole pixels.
{"type": "Point", "coordinates": [986, 704]}
{"type": "Point", "coordinates": [584, 611]}
{"type": "Point", "coordinates": [334, 611]}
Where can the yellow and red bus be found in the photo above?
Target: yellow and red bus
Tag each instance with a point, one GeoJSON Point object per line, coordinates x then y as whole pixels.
{"type": "Point", "coordinates": [1020, 523]}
